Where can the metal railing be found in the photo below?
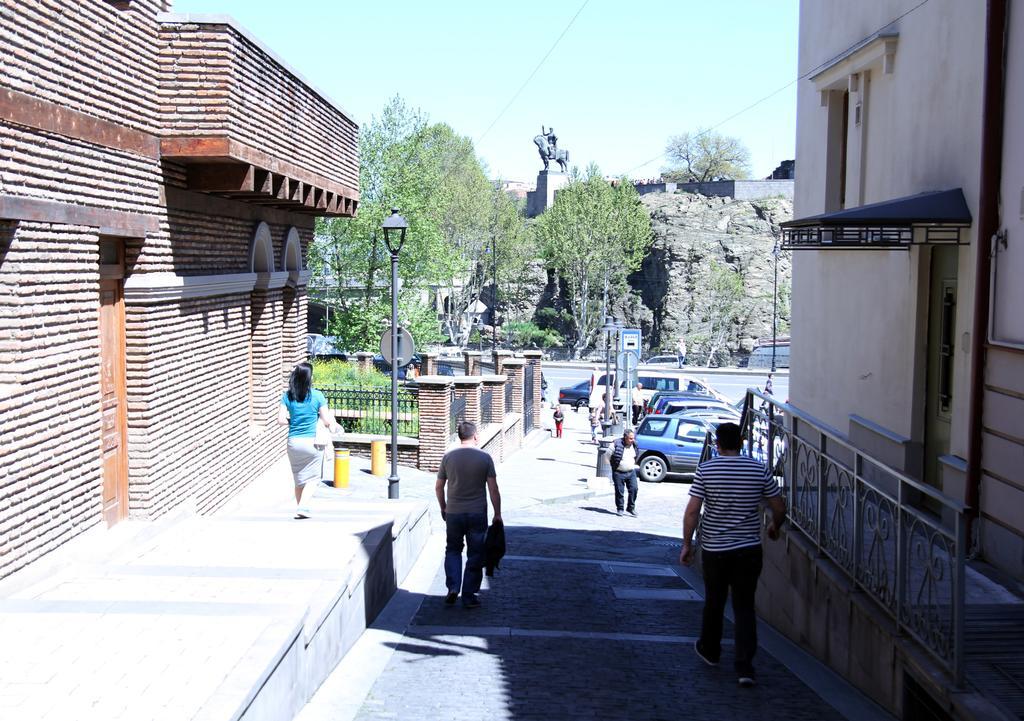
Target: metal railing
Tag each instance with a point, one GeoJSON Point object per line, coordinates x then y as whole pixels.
{"type": "Point", "coordinates": [900, 541]}
{"type": "Point", "coordinates": [456, 413]}
{"type": "Point", "coordinates": [360, 410]}
{"type": "Point", "coordinates": [528, 401]}
{"type": "Point", "coordinates": [486, 404]}
{"type": "Point", "coordinates": [508, 397]}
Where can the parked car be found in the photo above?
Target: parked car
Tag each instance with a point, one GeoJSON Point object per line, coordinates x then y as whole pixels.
{"type": "Point", "coordinates": [443, 369]}
{"type": "Point", "coordinates": [670, 445]}
{"type": "Point", "coordinates": [661, 360]}
{"type": "Point", "coordinates": [576, 396]}
{"type": "Point", "coordinates": [714, 416]}
{"type": "Point", "coordinates": [322, 347]}
{"type": "Point", "coordinates": [658, 382]}
{"type": "Point", "coordinates": [675, 406]}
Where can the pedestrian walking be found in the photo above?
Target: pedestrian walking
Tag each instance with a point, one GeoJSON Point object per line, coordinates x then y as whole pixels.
{"type": "Point", "coordinates": [595, 424]}
{"type": "Point", "coordinates": [469, 475]}
{"type": "Point", "coordinates": [624, 455]}
{"type": "Point", "coordinates": [302, 408]}
{"type": "Point", "coordinates": [681, 351]}
{"type": "Point", "coordinates": [768, 385]}
{"type": "Point", "coordinates": [559, 418]}
{"type": "Point", "coordinates": [638, 403]}
{"type": "Point", "coordinates": [730, 489]}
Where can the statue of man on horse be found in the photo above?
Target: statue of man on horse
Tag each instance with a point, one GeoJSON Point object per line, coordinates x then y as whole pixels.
{"type": "Point", "coordinates": [547, 146]}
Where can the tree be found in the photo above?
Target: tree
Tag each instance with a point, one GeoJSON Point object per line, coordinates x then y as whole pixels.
{"type": "Point", "coordinates": [455, 216]}
{"type": "Point", "coordinates": [593, 237]}
{"type": "Point", "coordinates": [704, 156]}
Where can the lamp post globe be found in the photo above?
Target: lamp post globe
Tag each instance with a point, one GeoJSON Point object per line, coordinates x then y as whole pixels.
{"type": "Point", "coordinates": [394, 228]}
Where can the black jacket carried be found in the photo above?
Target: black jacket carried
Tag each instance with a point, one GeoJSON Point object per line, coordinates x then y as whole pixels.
{"type": "Point", "coordinates": [494, 547]}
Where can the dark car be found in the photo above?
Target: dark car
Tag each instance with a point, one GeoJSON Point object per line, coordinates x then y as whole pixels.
{"type": "Point", "coordinates": [670, 445]}
{"type": "Point", "coordinates": [442, 368]}
{"type": "Point", "coordinates": [577, 396]}
{"type": "Point", "coordinates": [322, 347]}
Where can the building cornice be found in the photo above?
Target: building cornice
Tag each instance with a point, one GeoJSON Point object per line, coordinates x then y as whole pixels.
{"type": "Point", "coordinates": [168, 287]}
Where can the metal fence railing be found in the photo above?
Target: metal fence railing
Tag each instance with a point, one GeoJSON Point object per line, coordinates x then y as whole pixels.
{"type": "Point", "coordinates": [508, 397]}
{"type": "Point", "coordinates": [456, 413]}
{"type": "Point", "coordinates": [486, 404]}
{"type": "Point", "coordinates": [900, 541]}
{"type": "Point", "coordinates": [369, 410]}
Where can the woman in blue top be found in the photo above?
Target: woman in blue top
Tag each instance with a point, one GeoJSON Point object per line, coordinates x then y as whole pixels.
{"type": "Point", "coordinates": [302, 407]}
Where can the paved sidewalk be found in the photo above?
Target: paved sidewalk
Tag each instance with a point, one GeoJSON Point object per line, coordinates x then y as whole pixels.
{"type": "Point", "coordinates": [183, 620]}
{"type": "Point", "coordinates": [589, 617]}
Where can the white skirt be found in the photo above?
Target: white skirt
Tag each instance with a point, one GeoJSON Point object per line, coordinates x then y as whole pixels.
{"type": "Point", "coordinates": [306, 459]}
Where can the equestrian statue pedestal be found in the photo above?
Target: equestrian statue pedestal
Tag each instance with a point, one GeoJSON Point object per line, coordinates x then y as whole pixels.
{"type": "Point", "coordinates": [539, 200]}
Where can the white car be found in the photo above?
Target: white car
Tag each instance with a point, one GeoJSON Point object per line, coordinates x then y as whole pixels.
{"type": "Point", "coordinates": [653, 381]}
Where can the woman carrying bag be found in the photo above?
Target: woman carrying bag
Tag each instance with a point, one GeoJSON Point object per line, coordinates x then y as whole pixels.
{"type": "Point", "coordinates": [302, 409]}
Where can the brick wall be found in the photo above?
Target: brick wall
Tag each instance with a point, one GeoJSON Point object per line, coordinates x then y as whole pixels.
{"type": "Point", "coordinates": [435, 404]}
{"type": "Point", "coordinates": [87, 56]}
{"type": "Point", "coordinates": [232, 85]}
{"type": "Point", "coordinates": [203, 374]}
{"type": "Point", "coordinates": [49, 411]}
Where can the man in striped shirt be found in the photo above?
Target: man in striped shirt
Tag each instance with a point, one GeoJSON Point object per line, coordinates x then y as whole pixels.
{"type": "Point", "coordinates": [730, 489]}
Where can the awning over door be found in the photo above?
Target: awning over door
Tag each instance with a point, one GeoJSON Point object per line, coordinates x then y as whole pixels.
{"type": "Point", "coordinates": [935, 217]}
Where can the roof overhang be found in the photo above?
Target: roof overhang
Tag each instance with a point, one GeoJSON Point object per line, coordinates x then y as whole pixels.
{"type": "Point", "coordinates": [937, 217]}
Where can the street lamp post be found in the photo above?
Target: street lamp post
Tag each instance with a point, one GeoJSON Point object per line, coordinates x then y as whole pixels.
{"type": "Point", "coordinates": [775, 303]}
{"type": "Point", "coordinates": [608, 329]}
{"type": "Point", "coordinates": [494, 302]}
{"type": "Point", "coordinates": [394, 228]}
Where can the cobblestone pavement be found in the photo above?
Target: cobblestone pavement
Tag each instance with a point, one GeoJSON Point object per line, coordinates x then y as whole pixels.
{"type": "Point", "coordinates": [587, 618]}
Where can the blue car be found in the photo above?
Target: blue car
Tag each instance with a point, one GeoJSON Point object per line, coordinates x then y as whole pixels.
{"type": "Point", "coordinates": [670, 445]}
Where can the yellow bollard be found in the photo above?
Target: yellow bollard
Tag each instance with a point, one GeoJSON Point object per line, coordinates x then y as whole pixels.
{"type": "Point", "coordinates": [378, 458]}
{"type": "Point", "coordinates": [341, 459]}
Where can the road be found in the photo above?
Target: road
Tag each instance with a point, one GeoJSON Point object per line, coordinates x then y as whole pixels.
{"type": "Point", "coordinates": [732, 385]}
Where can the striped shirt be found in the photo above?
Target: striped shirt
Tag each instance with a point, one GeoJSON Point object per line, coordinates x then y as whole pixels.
{"type": "Point", "coordinates": [732, 488]}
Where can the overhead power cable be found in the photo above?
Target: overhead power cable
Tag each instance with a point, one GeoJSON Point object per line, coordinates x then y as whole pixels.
{"type": "Point", "coordinates": [527, 81]}
{"type": "Point", "coordinates": [772, 94]}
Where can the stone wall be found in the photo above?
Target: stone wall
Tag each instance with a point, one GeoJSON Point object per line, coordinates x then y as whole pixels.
{"type": "Point", "coordinates": [736, 189]}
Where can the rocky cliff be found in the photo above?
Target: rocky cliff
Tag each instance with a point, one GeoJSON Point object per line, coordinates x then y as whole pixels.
{"type": "Point", "coordinates": [709, 274]}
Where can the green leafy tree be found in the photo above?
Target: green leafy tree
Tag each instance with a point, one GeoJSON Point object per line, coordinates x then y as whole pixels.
{"type": "Point", "coordinates": [593, 237]}
{"type": "Point", "coordinates": [704, 156]}
{"type": "Point", "coordinates": [455, 216]}
{"type": "Point", "coordinates": [725, 307]}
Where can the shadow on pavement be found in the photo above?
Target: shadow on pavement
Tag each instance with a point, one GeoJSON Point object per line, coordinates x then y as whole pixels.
{"type": "Point", "coordinates": [576, 624]}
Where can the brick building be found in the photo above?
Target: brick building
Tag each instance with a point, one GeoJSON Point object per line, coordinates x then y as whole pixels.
{"type": "Point", "coordinates": [160, 175]}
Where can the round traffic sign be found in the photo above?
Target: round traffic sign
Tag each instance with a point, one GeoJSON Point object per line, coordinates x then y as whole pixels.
{"type": "Point", "coordinates": [406, 347]}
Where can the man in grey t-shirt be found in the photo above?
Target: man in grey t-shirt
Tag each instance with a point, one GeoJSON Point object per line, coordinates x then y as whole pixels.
{"type": "Point", "coordinates": [467, 471]}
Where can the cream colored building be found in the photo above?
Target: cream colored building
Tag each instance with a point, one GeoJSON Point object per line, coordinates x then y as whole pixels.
{"type": "Point", "coordinates": [882, 338]}
{"type": "Point", "coordinates": [907, 337]}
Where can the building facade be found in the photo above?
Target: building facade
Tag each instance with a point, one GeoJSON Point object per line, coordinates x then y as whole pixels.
{"type": "Point", "coordinates": [907, 336]}
{"type": "Point", "coordinates": [160, 176]}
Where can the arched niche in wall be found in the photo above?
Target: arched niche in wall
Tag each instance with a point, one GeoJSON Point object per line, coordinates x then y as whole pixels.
{"type": "Point", "coordinates": [261, 250]}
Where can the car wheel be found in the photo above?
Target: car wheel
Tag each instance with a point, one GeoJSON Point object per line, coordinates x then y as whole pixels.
{"type": "Point", "coordinates": [653, 469]}
{"type": "Point", "coordinates": [581, 403]}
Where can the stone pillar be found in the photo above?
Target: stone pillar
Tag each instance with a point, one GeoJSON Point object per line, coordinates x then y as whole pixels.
{"type": "Point", "coordinates": [533, 367]}
{"type": "Point", "coordinates": [514, 368]}
{"type": "Point", "coordinates": [364, 360]}
{"type": "Point", "coordinates": [429, 364]}
{"type": "Point", "coordinates": [499, 360]}
{"type": "Point", "coordinates": [495, 412]}
{"type": "Point", "coordinates": [468, 387]}
{"type": "Point", "coordinates": [472, 360]}
{"type": "Point", "coordinates": [435, 407]}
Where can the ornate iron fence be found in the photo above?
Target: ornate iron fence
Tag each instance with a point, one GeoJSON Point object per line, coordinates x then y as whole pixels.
{"type": "Point", "coordinates": [900, 541]}
{"type": "Point", "coordinates": [508, 397]}
{"type": "Point", "coordinates": [486, 404]}
{"type": "Point", "coordinates": [360, 410]}
{"type": "Point", "coordinates": [456, 413]}
{"type": "Point", "coordinates": [528, 400]}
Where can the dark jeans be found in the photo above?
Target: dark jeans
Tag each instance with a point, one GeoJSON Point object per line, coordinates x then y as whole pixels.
{"type": "Point", "coordinates": [622, 480]}
{"type": "Point", "coordinates": [737, 570]}
{"type": "Point", "coordinates": [637, 412]}
{"type": "Point", "coordinates": [473, 528]}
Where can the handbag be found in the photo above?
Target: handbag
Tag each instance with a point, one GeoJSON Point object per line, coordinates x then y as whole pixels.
{"type": "Point", "coordinates": [323, 436]}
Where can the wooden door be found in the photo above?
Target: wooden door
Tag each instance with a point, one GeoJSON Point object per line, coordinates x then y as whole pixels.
{"type": "Point", "coordinates": [113, 395]}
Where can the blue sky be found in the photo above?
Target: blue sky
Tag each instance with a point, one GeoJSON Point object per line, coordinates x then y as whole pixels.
{"type": "Point", "coordinates": [621, 81]}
